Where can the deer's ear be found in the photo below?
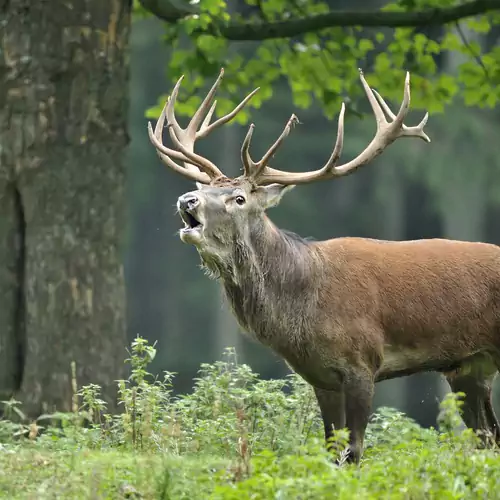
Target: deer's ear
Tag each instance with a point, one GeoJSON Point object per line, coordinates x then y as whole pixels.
{"type": "Point", "coordinates": [271, 195]}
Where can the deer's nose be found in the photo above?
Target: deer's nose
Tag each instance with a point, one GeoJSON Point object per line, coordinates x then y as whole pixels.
{"type": "Point", "coordinates": [187, 201]}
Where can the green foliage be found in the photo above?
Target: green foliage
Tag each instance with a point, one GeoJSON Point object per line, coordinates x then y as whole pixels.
{"type": "Point", "coordinates": [234, 437]}
{"type": "Point", "coordinates": [322, 66]}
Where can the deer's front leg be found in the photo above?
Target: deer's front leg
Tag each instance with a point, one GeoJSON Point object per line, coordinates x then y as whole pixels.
{"type": "Point", "coordinates": [359, 388]}
{"type": "Point", "coordinates": [332, 406]}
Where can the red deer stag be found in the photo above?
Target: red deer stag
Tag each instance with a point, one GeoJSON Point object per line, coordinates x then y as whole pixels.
{"type": "Point", "coordinates": [347, 312]}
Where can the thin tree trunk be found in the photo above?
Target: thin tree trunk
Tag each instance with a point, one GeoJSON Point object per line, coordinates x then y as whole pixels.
{"type": "Point", "coordinates": [466, 205]}
{"type": "Point", "coordinates": [154, 252]}
{"type": "Point", "coordinates": [391, 194]}
{"type": "Point", "coordinates": [463, 202]}
{"type": "Point", "coordinates": [63, 102]}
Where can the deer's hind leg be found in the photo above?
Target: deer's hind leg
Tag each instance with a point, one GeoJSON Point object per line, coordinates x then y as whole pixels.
{"type": "Point", "coordinates": [475, 379]}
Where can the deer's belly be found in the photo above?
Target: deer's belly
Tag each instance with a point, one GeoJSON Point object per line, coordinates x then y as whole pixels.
{"type": "Point", "coordinates": [401, 361]}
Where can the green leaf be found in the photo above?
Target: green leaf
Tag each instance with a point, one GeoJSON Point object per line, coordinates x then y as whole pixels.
{"type": "Point", "coordinates": [213, 7]}
{"type": "Point", "coordinates": [448, 86]}
{"type": "Point", "coordinates": [471, 96]}
{"type": "Point", "coordinates": [365, 45]}
{"type": "Point", "coordinates": [479, 24]}
{"type": "Point", "coordinates": [302, 99]}
{"type": "Point", "coordinates": [382, 63]}
{"type": "Point", "coordinates": [451, 41]}
{"type": "Point", "coordinates": [471, 74]}
{"type": "Point", "coordinates": [209, 43]}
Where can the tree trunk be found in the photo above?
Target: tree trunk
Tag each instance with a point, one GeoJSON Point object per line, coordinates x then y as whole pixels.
{"type": "Point", "coordinates": [464, 206]}
{"type": "Point", "coordinates": [63, 104]}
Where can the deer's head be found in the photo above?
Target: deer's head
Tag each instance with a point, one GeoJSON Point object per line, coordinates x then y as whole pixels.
{"type": "Point", "coordinates": [222, 212]}
{"type": "Point", "coordinates": [215, 216]}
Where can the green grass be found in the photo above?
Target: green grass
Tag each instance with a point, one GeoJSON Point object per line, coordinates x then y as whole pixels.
{"type": "Point", "coordinates": [234, 437]}
{"type": "Point", "coordinates": [37, 473]}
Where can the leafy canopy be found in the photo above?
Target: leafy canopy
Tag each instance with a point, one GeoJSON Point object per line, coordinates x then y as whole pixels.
{"type": "Point", "coordinates": [321, 63]}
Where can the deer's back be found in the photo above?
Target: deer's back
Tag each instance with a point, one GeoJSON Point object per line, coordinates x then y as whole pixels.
{"type": "Point", "coordinates": [434, 293]}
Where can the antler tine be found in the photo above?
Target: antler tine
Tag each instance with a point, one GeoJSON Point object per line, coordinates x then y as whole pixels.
{"type": "Point", "coordinates": [155, 138]}
{"type": "Point", "coordinates": [164, 153]}
{"type": "Point", "coordinates": [292, 121]}
{"type": "Point", "coordinates": [184, 139]}
{"type": "Point", "coordinates": [387, 133]}
{"type": "Point", "coordinates": [271, 175]}
{"type": "Point", "coordinates": [377, 111]}
{"type": "Point", "coordinates": [253, 169]}
{"type": "Point", "coordinates": [198, 127]}
{"type": "Point", "coordinates": [248, 163]}
{"type": "Point", "coordinates": [203, 163]}
{"type": "Point", "coordinates": [205, 107]}
{"type": "Point", "coordinates": [339, 143]}
{"type": "Point", "coordinates": [201, 113]}
{"type": "Point", "coordinates": [206, 128]}
{"type": "Point", "coordinates": [405, 104]}
{"type": "Point", "coordinates": [207, 119]}
{"type": "Point", "coordinates": [169, 107]}
{"type": "Point", "coordinates": [417, 131]}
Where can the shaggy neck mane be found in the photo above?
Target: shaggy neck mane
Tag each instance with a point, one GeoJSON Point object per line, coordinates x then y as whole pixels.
{"type": "Point", "coordinates": [270, 279]}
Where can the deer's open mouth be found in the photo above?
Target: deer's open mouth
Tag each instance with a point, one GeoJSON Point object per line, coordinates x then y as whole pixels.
{"type": "Point", "coordinates": [192, 232]}
{"type": "Point", "coordinates": [190, 221]}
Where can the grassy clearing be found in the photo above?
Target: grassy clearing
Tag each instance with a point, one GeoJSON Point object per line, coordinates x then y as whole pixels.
{"type": "Point", "coordinates": [234, 437]}
{"type": "Point", "coordinates": [31, 472]}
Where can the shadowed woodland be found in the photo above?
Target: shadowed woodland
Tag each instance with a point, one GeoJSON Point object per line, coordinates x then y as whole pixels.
{"type": "Point", "coordinates": [89, 252]}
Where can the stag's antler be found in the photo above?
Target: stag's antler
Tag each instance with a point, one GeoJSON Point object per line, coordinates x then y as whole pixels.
{"type": "Point", "coordinates": [196, 167]}
{"type": "Point", "coordinates": [253, 169]}
{"type": "Point", "coordinates": [387, 133]}
{"type": "Point", "coordinates": [201, 169]}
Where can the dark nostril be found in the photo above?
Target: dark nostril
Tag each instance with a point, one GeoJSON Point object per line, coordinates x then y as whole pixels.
{"type": "Point", "coordinates": [192, 202]}
{"type": "Point", "coordinates": [188, 201]}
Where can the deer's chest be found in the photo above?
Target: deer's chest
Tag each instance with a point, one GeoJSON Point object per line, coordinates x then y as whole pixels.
{"type": "Point", "coordinates": [267, 318]}
{"type": "Point", "coordinates": [287, 328]}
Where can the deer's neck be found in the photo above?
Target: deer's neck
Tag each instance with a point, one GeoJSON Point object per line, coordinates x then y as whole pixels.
{"type": "Point", "coordinates": [271, 283]}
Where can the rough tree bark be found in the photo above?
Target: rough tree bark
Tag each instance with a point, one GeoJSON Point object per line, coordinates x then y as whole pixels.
{"type": "Point", "coordinates": [63, 109]}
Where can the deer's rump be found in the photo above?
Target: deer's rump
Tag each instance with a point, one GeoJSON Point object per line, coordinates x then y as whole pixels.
{"type": "Point", "coordinates": [431, 302]}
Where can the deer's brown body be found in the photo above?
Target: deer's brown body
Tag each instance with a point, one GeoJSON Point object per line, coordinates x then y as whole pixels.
{"type": "Point", "coordinates": [417, 305]}
{"type": "Point", "coordinates": [348, 312]}
{"type": "Point", "coordinates": [410, 306]}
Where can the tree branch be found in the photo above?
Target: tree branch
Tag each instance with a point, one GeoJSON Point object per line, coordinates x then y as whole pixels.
{"type": "Point", "coordinates": [169, 11]}
{"type": "Point", "coordinates": [172, 11]}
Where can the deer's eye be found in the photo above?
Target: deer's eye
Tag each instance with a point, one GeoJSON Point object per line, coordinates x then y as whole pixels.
{"type": "Point", "coordinates": [240, 200]}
